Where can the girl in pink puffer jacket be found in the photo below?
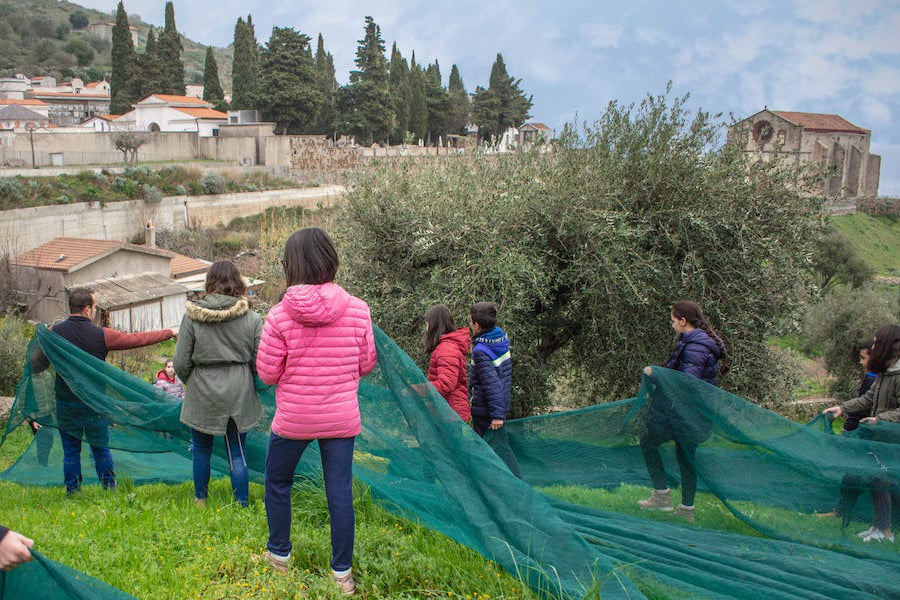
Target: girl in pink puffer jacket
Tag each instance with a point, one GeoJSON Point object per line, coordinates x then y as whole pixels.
{"type": "Point", "coordinates": [316, 344]}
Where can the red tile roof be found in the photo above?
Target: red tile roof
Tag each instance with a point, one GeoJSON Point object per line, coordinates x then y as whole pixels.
{"type": "Point", "coordinates": [181, 266]}
{"type": "Point", "coordinates": [93, 84]}
{"type": "Point", "coordinates": [180, 99]}
{"type": "Point", "coordinates": [25, 102]}
{"type": "Point", "coordinates": [820, 123]}
{"type": "Point", "coordinates": [540, 126]}
{"type": "Point", "coordinates": [202, 113]}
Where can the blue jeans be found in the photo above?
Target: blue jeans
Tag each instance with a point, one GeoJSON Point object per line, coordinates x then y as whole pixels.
{"type": "Point", "coordinates": [337, 468]}
{"type": "Point", "coordinates": [96, 430]}
{"type": "Point", "coordinates": [201, 448]}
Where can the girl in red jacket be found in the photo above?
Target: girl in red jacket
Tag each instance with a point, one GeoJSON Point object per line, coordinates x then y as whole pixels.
{"type": "Point", "coordinates": [449, 348]}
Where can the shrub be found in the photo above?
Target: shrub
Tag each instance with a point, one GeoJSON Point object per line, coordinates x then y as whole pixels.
{"type": "Point", "coordinates": [584, 249]}
{"type": "Point", "coordinates": [882, 205]}
{"type": "Point", "coordinates": [180, 190]}
{"type": "Point", "coordinates": [11, 192]}
{"type": "Point", "coordinates": [836, 324]}
{"type": "Point", "coordinates": [214, 184]}
{"type": "Point", "coordinates": [15, 333]}
{"type": "Point", "coordinates": [63, 199]}
{"type": "Point", "coordinates": [836, 261]}
{"type": "Point", "coordinates": [150, 194]}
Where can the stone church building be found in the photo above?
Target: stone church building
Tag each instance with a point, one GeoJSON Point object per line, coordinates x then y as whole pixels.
{"type": "Point", "coordinates": [828, 140]}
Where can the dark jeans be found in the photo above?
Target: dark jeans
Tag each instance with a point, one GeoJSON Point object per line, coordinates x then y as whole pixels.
{"type": "Point", "coordinates": [882, 489]}
{"type": "Point", "coordinates": [684, 452]}
{"type": "Point", "coordinates": [337, 468]}
{"type": "Point", "coordinates": [201, 447]}
{"type": "Point", "coordinates": [95, 429]}
{"type": "Point", "coordinates": [498, 440]}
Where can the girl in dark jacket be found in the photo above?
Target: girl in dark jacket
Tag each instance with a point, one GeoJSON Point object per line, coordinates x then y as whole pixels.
{"type": "Point", "coordinates": [449, 348]}
{"type": "Point", "coordinates": [697, 353]}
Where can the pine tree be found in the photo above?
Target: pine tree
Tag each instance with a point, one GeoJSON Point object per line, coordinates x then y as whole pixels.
{"type": "Point", "coordinates": [364, 105]}
{"type": "Point", "coordinates": [459, 103]}
{"type": "Point", "coordinates": [399, 75]}
{"type": "Point", "coordinates": [245, 68]}
{"type": "Point", "coordinates": [169, 50]}
{"type": "Point", "coordinates": [418, 104]}
{"type": "Point", "coordinates": [288, 74]}
{"type": "Point", "coordinates": [327, 85]}
{"type": "Point", "coordinates": [212, 89]}
{"type": "Point", "coordinates": [121, 82]}
{"type": "Point", "coordinates": [502, 105]}
{"type": "Point", "coordinates": [438, 102]}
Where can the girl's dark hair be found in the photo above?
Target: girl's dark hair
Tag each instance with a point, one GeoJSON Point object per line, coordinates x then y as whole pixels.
{"type": "Point", "coordinates": [485, 314]}
{"type": "Point", "coordinates": [693, 314]}
{"type": "Point", "coordinates": [886, 349]}
{"type": "Point", "coordinates": [224, 278]}
{"type": "Point", "coordinates": [440, 322]}
{"type": "Point", "coordinates": [309, 258]}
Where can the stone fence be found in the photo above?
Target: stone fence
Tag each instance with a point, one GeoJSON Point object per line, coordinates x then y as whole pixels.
{"type": "Point", "coordinates": [26, 228]}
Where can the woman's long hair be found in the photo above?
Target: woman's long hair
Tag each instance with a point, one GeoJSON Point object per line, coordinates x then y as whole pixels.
{"type": "Point", "coordinates": [440, 322]}
{"type": "Point", "coordinates": [886, 349]}
{"type": "Point", "coordinates": [224, 278]}
{"type": "Point", "coordinates": [693, 314]}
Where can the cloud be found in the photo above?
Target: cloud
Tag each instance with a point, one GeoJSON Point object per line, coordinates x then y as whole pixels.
{"type": "Point", "coordinates": [835, 11]}
{"type": "Point", "coordinates": [876, 111]}
{"type": "Point", "coordinates": [602, 35]}
{"type": "Point", "coordinates": [890, 174]}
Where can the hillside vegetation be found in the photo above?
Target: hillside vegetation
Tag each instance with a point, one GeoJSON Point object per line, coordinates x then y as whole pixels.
{"type": "Point", "coordinates": [876, 239]}
{"type": "Point", "coordinates": [40, 37]}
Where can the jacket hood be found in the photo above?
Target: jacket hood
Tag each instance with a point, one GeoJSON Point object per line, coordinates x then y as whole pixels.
{"type": "Point", "coordinates": [459, 338]}
{"type": "Point", "coordinates": [698, 336]}
{"type": "Point", "coordinates": [315, 305]}
{"type": "Point", "coordinates": [216, 308]}
{"type": "Point", "coordinates": [495, 341]}
{"type": "Point", "coordinates": [162, 375]}
{"type": "Point", "coordinates": [894, 368]}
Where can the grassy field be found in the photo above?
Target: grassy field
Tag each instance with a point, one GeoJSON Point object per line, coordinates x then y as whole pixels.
{"type": "Point", "coordinates": [153, 542]}
{"type": "Point", "coordinates": [877, 239]}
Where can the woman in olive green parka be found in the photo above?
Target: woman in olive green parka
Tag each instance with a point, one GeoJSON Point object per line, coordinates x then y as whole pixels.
{"type": "Point", "coordinates": [216, 359]}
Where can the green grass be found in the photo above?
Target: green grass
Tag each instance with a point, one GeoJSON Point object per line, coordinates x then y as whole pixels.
{"type": "Point", "coordinates": [877, 239]}
{"type": "Point", "coordinates": [153, 542]}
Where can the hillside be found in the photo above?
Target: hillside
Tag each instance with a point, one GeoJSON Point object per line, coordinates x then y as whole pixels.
{"type": "Point", "coordinates": [37, 38]}
{"type": "Point", "coordinates": [877, 239]}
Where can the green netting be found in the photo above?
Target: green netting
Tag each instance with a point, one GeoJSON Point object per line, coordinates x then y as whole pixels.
{"type": "Point", "coordinates": [566, 524]}
{"type": "Point", "coordinates": [44, 578]}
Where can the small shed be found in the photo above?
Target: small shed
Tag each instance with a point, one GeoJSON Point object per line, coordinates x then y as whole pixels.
{"type": "Point", "coordinates": [142, 302]}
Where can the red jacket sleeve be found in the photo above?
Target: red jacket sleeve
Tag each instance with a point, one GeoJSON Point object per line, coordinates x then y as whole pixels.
{"type": "Point", "coordinates": [119, 340]}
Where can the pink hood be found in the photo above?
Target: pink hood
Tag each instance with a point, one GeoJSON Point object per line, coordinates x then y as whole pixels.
{"type": "Point", "coordinates": [316, 344]}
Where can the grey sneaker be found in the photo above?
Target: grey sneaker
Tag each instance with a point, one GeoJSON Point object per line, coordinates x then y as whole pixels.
{"type": "Point", "coordinates": [866, 533]}
{"type": "Point", "coordinates": [345, 582]}
{"type": "Point", "coordinates": [686, 512]}
{"type": "Point", "coordinates": [658, 500]}
{"type": "Point", "coordinates": [277, 564]}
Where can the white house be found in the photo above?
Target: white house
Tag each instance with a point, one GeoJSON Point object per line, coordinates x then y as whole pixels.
{"type": "Point", "coordinates": [101, 123]}
{"type": "Point", "coordinates": [162, 112]}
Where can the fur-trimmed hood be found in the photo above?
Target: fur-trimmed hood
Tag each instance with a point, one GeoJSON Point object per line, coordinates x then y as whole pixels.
{"type": "Point", "coordinates": [216, 308]}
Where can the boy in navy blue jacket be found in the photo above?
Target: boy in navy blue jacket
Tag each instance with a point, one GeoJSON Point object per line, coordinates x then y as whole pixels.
{"type": "Point", "coordinates": [490, 379]}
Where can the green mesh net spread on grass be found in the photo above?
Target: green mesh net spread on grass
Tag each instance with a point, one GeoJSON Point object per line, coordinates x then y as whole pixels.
{"type": "Point", "coordinates": [571, 527]}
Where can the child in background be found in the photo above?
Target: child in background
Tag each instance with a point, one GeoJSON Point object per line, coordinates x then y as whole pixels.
{"type": "Point", "coordinates": [864, 348]}
{"type": "Point", "coordinates": [490, 380]}
{"type": "Point", "coordinates": [449, 348]}
{"type": "Point", "coordinates": [167, 380]}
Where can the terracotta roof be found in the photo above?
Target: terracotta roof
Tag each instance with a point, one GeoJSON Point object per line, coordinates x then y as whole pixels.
{"type": "Point", "coordinates": [203, 113]}
{"type": "Point", "coordinates": [93, 84]}
{"type": "Point", "coordinates": [820, 122]}
{"type": "Point", "coordinates": [540, 126]}
{"type": "Point", "coordinates": [179, 99]}
{"type": "Point", "coordinates": [25, 102]}
{"type": "Point", "coordinates": [107, 117]}
{"type": "Point", "coordinates": [69, 254]}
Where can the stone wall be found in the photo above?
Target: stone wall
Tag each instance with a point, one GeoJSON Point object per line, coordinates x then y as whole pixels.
{"type": "Point", "coordinates": [26, 228]}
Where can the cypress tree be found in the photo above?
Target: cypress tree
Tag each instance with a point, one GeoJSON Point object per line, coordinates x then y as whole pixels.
{"type": "Point", "coordinates": [365, 104]}
{"type": "Point", "coordinates": [245, 68]}
{"type": "Point", "coordinates": [399, 75]}
{"type": "Point", "coordinates": [288, 74]}
{"type": "Point", "coordinates": [459, 103]}
{"type": "Point", "coordinates": [148, 74]}
{"type": "Point", "coordinates": [327, 84]}
{"type": "Point", "coordinates": [418, 105]}
{"type": "Point", "coordinates": [121, 80]}
{"type": "Point", "coordinates": [438, 104]}
{"type": "Point", "coordinates": [502, 105]}
{"type": "Point", "coordinates": [170, 49]}
{"type": "Point", "coordinates": [212, 89]}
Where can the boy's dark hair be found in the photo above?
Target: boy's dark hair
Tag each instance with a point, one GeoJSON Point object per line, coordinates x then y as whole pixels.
{"type": "Point", "coordinates": [80, 298]}
{"type": "Point", "coordinates": [485, 314]}
{"type": "Point", "coordinates": [440, 322]}
{"type": "Point", "coordinates": [309, 258]}
{"type": "Point", "coordinates": [691, 312]}
{"type": "Point", "coordinates": [224, 278]}
{"type": "Point", "coordinates": [886, 349]}
{"type": "Point", "coordinates": [867, 346]}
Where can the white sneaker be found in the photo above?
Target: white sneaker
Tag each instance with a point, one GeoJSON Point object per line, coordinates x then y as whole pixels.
{"type": "Point", "coordinates": [866, 533]}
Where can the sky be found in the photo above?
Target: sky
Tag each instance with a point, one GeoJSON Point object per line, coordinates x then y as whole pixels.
{"type": "Point", "coordinates": [574, 57]}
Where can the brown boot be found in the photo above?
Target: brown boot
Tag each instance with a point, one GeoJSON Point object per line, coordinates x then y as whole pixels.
{"type": "Point", "coordinates": [658, 500]}
{"type": "Point", "coordinates": [278, 565]}
{"type": "Point", "coordinates": [345, 582]}
{"type": "Point", "coordinates": [686, 512]}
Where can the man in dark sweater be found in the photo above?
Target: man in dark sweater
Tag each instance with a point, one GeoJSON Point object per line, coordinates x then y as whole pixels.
{"type": "Point", "coordinates": [75, 419]}
{"type": "Point", "coordinates": [14, 549]}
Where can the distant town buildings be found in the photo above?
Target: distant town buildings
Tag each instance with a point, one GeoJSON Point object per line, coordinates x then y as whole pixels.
{"type": "Point", "coordinates": [63, 103]}
{"type": "Point", "coordinates": [104, 31]}
{"type": "Point", "coordinates": [830, 141]}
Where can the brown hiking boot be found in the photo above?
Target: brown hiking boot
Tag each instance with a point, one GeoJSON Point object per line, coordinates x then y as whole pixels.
{"type": "Point", "coordinates": [345, 582]}
{"type": "Point", "coordinates": [658, 500]}
{"type": "Point", "coordinates": [686, 512]}
{"type": "Point", "coordinates": [277, 564]}
{"type": "Point", "coordinates": [828, 515]}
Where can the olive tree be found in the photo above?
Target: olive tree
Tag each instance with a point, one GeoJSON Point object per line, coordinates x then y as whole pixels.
{"type": "Point", "coordinates": [584, 248]}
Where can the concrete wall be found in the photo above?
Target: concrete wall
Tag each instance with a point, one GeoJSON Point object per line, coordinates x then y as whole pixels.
{"type": "Point", "coordinates": [26, 228]}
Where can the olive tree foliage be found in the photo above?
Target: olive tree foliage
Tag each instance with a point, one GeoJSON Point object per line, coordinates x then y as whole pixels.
{"type": "Point", "coordinates": [836, 261]}
{"type": "Point", "coordinates": [585, 248]}
{"type": "Point", "coordinates": [838, 323]}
